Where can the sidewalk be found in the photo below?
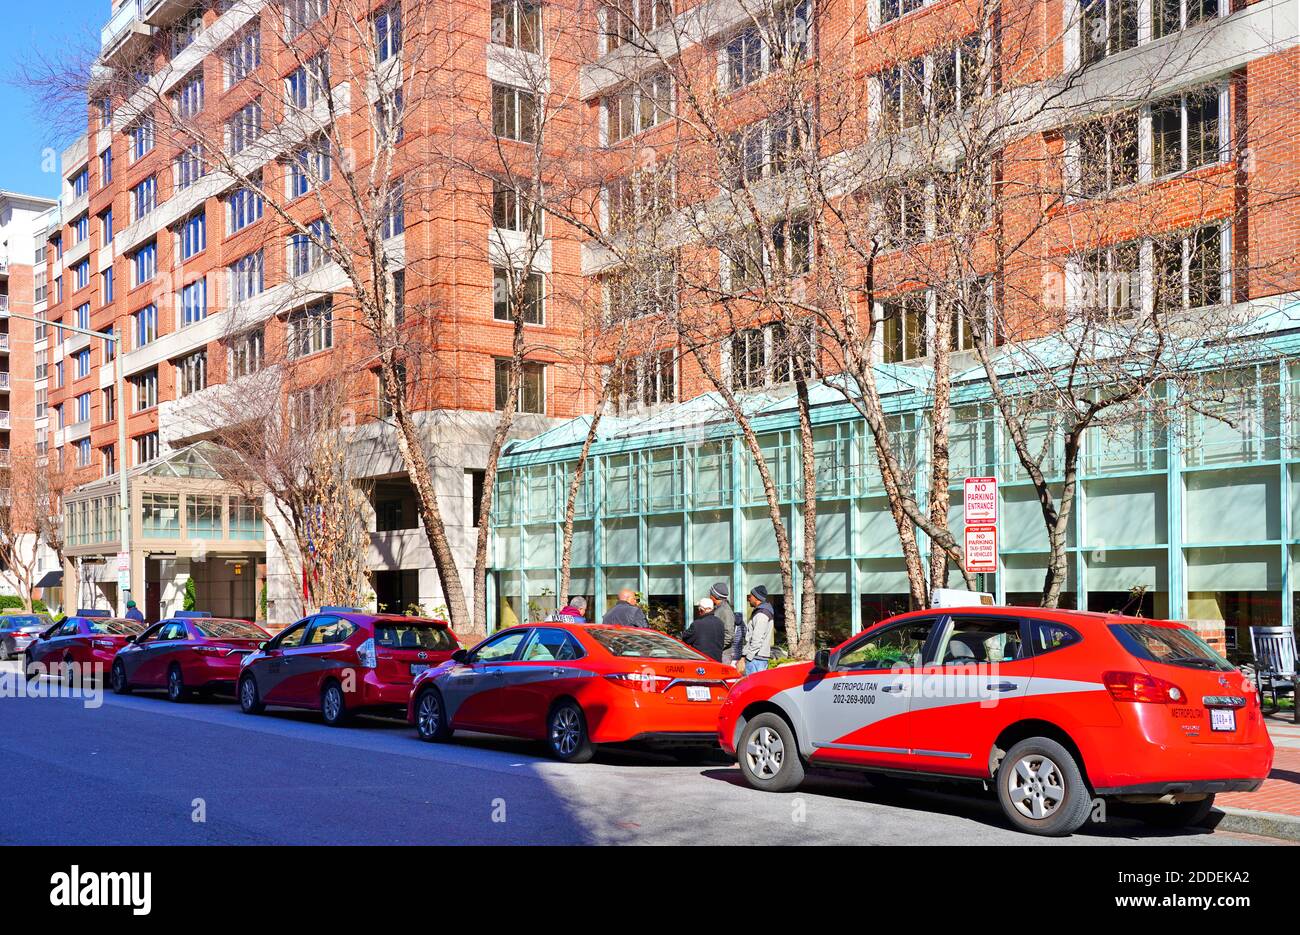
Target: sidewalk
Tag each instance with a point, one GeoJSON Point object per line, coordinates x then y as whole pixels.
{"type": "Point", "coordinates": [1273, 809]}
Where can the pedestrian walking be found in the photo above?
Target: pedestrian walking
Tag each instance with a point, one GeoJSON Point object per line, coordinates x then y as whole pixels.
{"type": "Point", "coordinates": [721, 595]}
{"type": "Point", "coordinates": [133, 612]}
{"type": "Point", "coordinates": [626, 613]}
{"type": "Point", "coordinates": [758, 634]}
{"type": "Point", "coordinates": [705, 633]}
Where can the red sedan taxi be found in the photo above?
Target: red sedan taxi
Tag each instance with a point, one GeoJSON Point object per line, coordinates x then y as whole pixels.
{"type": "Point", "coordinates": [576, 686]}
{"type": "Point", "coordinates": [85, 642]}
{"type": "Point", "coordinates": [1055, 708]}
{"type": "Point", "coordinates": [191, 651]}
{"type": "Point", "coordinates": [343, 660]}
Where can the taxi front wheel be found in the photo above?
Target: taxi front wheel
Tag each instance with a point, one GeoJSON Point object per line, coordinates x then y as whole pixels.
{"type": "Point", "coordinates": [1041, 789]}
{"type": "Point", "coordinates": [768, 754]}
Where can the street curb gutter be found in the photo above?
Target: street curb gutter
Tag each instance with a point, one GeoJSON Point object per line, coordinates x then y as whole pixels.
{"type": "Point", "coordinates": [1248, 821]}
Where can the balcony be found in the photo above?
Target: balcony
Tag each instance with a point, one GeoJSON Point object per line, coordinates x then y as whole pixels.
{"type": "Point", "coordinates": [125, 30]}
{"type": "Point", "coordinates": [165, 12]}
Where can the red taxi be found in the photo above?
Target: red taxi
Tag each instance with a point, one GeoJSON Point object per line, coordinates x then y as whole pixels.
{"type": "Point", "coordinates": [191, 651]}
{"type": "Point", "coordinates": [87, 639]}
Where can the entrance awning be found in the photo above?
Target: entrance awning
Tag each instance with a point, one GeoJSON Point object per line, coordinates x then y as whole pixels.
{"type": "Point", "coordinates": [51, 579]}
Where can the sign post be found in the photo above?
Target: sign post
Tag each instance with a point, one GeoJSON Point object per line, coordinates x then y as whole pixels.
{"type": "Point", "coordinates": [980, 502]}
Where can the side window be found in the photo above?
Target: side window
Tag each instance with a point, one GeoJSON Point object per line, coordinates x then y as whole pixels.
{"type": "Point", "coordinates": [150, 635]}
{"type": "Point", "coordinates": [326, 631]}
{"type": "Point", "coordinates": [979, 639]}
{"type": "Point", "coordinates": [500, 648]}
{"type": "Point", "coordinates": [69, 628]}
{"type": "Point", "coordinates": [173, 631]}
{"type": "Point", "coordinates": [1049, 635]}
{"type": "Point", "coordinates": [550, 645]}
{"type": "Point", "coordinates": [292, 637]}
{"type": "Point", "coordinates": [900, 644]}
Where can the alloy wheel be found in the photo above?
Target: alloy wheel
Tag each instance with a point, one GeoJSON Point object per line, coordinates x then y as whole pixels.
{"type": "Point", "coordinates": [248, 694]}
{"type": "Point", "coordinates": [333, 703]}
{"type": "Point", "coordinates": [174, 687]}
{"type": "Point", "coordinates": [428, 715]}
{"type": "Point", "coordinates": [1036, 787]}
{"type": "Point", "coordinates": [566, 731]}
{"type": "Point", "coordinates": [765, 753]}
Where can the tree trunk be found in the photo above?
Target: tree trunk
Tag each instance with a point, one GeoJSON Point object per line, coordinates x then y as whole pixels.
{"type": "Point", "coordinates": [1058, 526]}
{"type": "Point", "coordinates": [803, 644]}
{"type": "Point", "coordinates": [571, 498]}
{"type": "Point", "coordinates": [940, 478]}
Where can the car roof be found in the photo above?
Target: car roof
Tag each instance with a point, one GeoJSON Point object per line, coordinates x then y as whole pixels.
{"type": "Point", "coordinates": [361, 617]}
{"type": "Point", "coordinates": [1077, 617]}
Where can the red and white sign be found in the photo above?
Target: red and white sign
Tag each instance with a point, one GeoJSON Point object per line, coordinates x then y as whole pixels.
{"type": "Point", "coordinates": [981, 501]}
{"type": "Point", "coordinates": [981, 548]}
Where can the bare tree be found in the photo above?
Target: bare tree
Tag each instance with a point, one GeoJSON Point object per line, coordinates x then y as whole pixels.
{"type": "Point", "coordinates": [21, 542]}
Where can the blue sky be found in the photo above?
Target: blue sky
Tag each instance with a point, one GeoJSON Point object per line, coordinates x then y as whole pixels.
{"type": "Point", "coordinates": [48, 26]}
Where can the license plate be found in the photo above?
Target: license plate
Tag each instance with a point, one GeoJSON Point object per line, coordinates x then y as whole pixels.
{"type": "Point", "coordinates": [698, 693]}
{"type": "Point", "coordinates": [418, 667]}
{"type": "Point", "coordinates": [1223, 719]}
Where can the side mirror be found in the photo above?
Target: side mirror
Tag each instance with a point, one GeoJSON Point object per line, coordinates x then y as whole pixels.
{"type": "Point", "coordinates": [461, 657]}
{"type": "Point", "coordinates": [130, 638]}
{"type": "Point", "coordinates": [822, 660]}
{"type": "Point", "coordinates": [263, 645]}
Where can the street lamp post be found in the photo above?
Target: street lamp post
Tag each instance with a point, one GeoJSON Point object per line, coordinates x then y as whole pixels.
{"type": "Point", "coordinates": [124, 510]}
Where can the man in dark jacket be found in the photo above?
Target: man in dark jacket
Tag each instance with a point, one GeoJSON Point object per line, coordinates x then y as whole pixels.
{"type": "Point", "coordinates": [626, 613]}
{"type": "Point", "coordinates": [721, 596]}
{"type": "Point", "coordinates": [705, 634]}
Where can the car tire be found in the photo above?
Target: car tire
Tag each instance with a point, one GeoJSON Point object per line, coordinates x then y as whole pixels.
{"type": "Point", "coordinates": [769, 755]}
{"type": "Point", "coordinates": [118, 680]}
{"type": "Point", "coordinates": [5, 654]}
{"type": "Point", "coordinates": [29, 668]}
{"type": "Point", "coordinates": [333, 706]}
{"type": "Point", "coordinates": [176, 690]}
{"type": "Point", "coordinates": [250, 699]}
{"type": "Point", "coordinates": [431, 717]}
{"type": "Point", "coordinates": [66, 673]}
{"type": "Point", "coordinates": [1041, 789]}
{"type": "Point", "coordinates": [1177, 815]}
{"type": "Point", "coordinates": [566, 734]}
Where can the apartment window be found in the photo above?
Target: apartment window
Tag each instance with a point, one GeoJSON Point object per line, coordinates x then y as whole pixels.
{"type": "Point", "coordinates": [514, 210]}
{"type": "Point", "coordinates": [957, 76]}
{"type": "Point", "coordinates": [645, 380]}
{"type": "Point", "coordinates": [144, 325]}
{"type": "Point", "coordinates": [81, 363]}
{"type": "Point", "coordinates": [107, 460]}
{"type": "Point", "coordinates": [58, 413]}
{"type": "Point", "coordinates": [247, 277]}
{"type": "Point", "coordinates": [649, 289]}
{"type": "Point", "coordinates": [57, 240]}
{"type": "Point", "coordinates": [81, 275]}
{"type": "Point", "coordinates": [514, 113]}
{"type": "Point", "coordinates": [191, 373]}
{"type": "Point", "coordinates": [903, 327]}
{"type": "Point", "coordinates": [142, 138]}
{"type": "Point", "coordinates": [311, 329]}
{"type": "Point", "coordinates": [58, 373]}
{"type": "Point", "coordinates": [189, 166]}
{"type": "Point", "coordinates": [1189, 269]}
{"type": "Point", "coordinates": [399, 296]}
{"type": "Point", "coordinates": [244, 127]}
{"type": "Point", "coordinates": [80, 182]}
{"type": "Point", "coordinates": [749, 359]}
{"type": "Point", "coordinates": [144, 263]}
{"type": "Point", "coordinates": [106, 227]}
{"type": "Point", "coordinates": [1107, 154]}
{"type": "Point", "coordinates": [193, 235]}
{"type": "Point", "coordinates": [389, 109]}
{"type": "Point", "coordinates": [792, 244]}
{"type": "Point", "coordinates": [634, 109]}
{"type": "Point", "coordinates": [307, 83]}
{"type": "Point", "coordinates": [105, 167]}
{"type": "Point", "coordinates": [83, 407]}
{"type": "Point", "coordinates": [185, 32]}
{"type": "Point", "coordinates": [1171, 16]}
{"type": "Point", "coordinates": [1111, 280]}
{"type": "Point", "coordinates": [630, 21]}
{"type": "Point", "coordinates": [309, 167]}
{"type": "Point", "coordinates": [189, 98]}
{"type": "Point", "coordinates": [502, 294]}
{"type": "Point", "coordinates": [245, 353]}
{"type": "Point", "coordinates": [106, 286]}
{"type": "Point", "coordinates": [243, 56]}
{"type": "Point", "coordinates": [532, 388]}
{"type": "Point", "coordinates": [300, 15]}
{"type": "Point", "coordinates": [146, 448]}
{"type": "Point", "coordinates": [395, 217]}
{"type": "Point", "coordinates": [244, 206]}
{"type": "Point", "coordinates": [1187, 131]}
{"type": "Point", "coordinates": [42, 403]}
{"type": "Point", "coordinates": [105, 109]}
{"type": "Point", "coordinates": [307, 251]}
{"type": "Point", "coordinates": [743, 57]}
{"type": "Point", "coordinates": [145, 387]}
{"type": "Point", "coordinates": [388, 32]}
{"type": "Point", "coordinates": [902, 95]}
{"type": "Point", "coordinates": [144, 198]}
{"type": "Point", "coordinates": [307, 407]}
{"type": "Point", "coordinates": [385, 407]}
{"type": "Point", "coordinates": [110, 344]}
{"type": "Point", "coordinates": [81, 228]}
{"type": "Point", "coordinates": [517, 24]}
{"type": "Point", "coordinates": [82, 316]}
{"type": "Point", "coordinates": [1108, 26]}
{"type": "Point", "coordinates": [903, 213]}
{"type": "Point", "coordinates": [83, 452]}
{"type": "Point", "coordinates": [108, 403]}
{"type": "Point", "coordinates": [891, 10]}
{"type": "Point", "coordinates": [194, 302]}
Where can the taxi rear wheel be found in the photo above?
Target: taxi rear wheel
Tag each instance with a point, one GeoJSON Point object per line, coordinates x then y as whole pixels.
{"type": "Point", "coordinates": [1041, 789]}
{"type": "Point", "coordinates": [566, 734]}
{"type": "Point", "coordinates": [333, 709]}
{"type": "Point", "coordinates": [118, 679]}
{"type": "Point", "coordinates": [250, 699]}
{"type": "Point", "coordinates": [768, 754]}
{"type": "Point", "coordinates": [176, 690]}
{"type": "Point", "coordinates": [431, 717]}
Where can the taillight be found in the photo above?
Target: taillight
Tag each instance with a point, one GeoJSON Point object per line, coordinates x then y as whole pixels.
{"type": "Point", "coordinates": [640, 681]}
{"type": "Point", "coordinates": [212, 650]}
{"type": "Point", "coordinates": [104, 644]}
{"type": "Point", "coordinates": [1138, 686]}
{"type": "Point", "coordinates": [366, 654]}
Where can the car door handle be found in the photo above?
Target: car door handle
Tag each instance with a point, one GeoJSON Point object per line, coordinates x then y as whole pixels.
{"type": "Point", "coordinates": [557, 671]}
{"type": "Point", "coordinates": [891, 688]}
{"type": "Point", "coordinates": [1002, 686]}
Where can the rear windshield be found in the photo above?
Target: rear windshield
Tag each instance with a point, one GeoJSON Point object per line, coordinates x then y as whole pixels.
{"type": "Point", "coordinates": [114, 627]}
{"type": "Point", "coordinates": [18, 621]}
{"type": "Point", "coordinates": [413, 634]}
{"type": "Point", "coordinates": [229, 630]}
{"type": "Point", "coordinates": [642, 644]}
{"type": "Point", "coordinates": [1172, 646]}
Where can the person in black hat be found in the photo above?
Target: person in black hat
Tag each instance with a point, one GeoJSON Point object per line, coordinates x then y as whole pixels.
{"type": "Point", "coordinates": [720, 593]}
{"type": "Point", "coordinates": [705, 632]}
{"type": "Point", "coordinates": [757, 650]}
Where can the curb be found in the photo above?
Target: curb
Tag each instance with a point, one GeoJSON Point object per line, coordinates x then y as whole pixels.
{"type": "Point", "coordinates": [1248, 821]}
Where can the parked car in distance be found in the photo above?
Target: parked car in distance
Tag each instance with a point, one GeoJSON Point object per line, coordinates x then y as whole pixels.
{"type": "Point", "coordinates": [576, 686]}
{"type": "Point", "coordinates": [187, 652]}
{"type": "Point", "coordinates": [1055, 708]}
{"type": "Point", "coordinates": [18, 631]}
{"type": "Point", "coordinates": [342, 660]}
{"type": "Point", "coordinates": [87, 639]}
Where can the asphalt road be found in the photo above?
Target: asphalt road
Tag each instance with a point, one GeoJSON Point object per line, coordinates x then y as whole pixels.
{"type": "Point", "coordinates": [140, 770]}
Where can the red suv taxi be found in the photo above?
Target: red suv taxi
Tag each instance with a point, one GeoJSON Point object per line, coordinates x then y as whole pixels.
{"type": "Point", "coordinates": [1055, 708]}
{"type": "Point", "coordinates": [343, 660]}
